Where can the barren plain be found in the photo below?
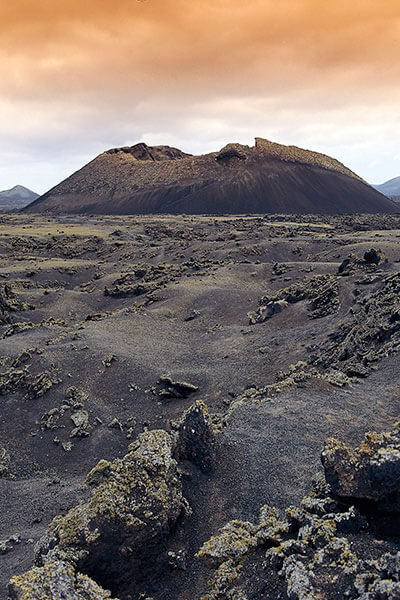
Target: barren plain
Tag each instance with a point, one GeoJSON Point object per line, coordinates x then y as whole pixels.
{"type": "Point", "coordinates": [279, 331]}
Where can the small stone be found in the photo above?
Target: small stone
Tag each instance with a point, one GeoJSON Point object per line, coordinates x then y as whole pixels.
{"type": "Point", "coordinates": [176, 389]}
{"type": "Point", "coordinates": [80, 418]}
{"type": "Point", "coordinates": [115, 424]}
{"type": "Point", "coordinates": [193, 315]}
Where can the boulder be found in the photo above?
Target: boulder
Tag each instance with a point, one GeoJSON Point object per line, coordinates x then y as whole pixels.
{"type": "Point", "coordinates": [121, 533]}
{"type": "Point", "coordinates": [56, 580]}
{"type": "Point", "coordinates": [196, 437]}
{"type": "Point", "coordinates": [371, 472]}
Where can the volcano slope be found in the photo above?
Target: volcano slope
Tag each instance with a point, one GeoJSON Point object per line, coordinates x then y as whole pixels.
{"type": "Point", "coordinates": [164, 378]}
{"type": "Point", "coordinates": [267, 178]}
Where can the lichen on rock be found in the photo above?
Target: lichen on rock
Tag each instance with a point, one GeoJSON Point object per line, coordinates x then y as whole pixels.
{"type": "Point", "coordinates": [56, 580]}
{"type": "Point", "coordinates": [368, 334]}
{"type": "Point", "coordinates": [369, 262]}
{"type": "Point", "coordinates": [9, 302]}
{"type": "Point", "coordinates": [326, 548]}
{"type": "Point", "coordinates": [121, 533]}
{"type": "Point", "coordinates": [370, 472]}
{"type": "Point", "coordinates": [322, 290]}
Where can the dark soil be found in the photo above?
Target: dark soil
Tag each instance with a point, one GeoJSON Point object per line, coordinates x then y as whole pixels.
{"type": "Point", "coordinates": [106, 321]}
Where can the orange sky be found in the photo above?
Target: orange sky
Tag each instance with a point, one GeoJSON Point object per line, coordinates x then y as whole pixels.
{"type": "Point", "coordinates": [79, 76]}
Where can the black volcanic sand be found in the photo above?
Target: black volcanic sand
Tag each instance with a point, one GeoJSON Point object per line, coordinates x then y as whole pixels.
{"type": "Point", "coordinates": [189, 321]}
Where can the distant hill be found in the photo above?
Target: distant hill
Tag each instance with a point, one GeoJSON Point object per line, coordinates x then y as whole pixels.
{"type": "Point", "coordinates": [390, 188]}
{"type": "Point", "coordinates": [17, 197]}
{"type": "Point", "coordinates": [265, 178]}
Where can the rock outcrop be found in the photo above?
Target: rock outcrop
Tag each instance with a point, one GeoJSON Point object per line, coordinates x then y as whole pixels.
{"type": "Point", "coordinates": [327, 548]}
{"type": "Point", "coordinates": [119, 538]}
{"type": "Point", "coordinates": [369, 473]}
{"type": "Point", "coordinates": [57, 580]}
{"type": "Point", "coordinates": [120, 535]}
{"type": "Point", "coordinates": [266, 178]}
{"type": "Point", "coordinates": [196, 437]}
{"type": "Point", "coordinates": [10, 303]}
{"type": "Point", "coordinates": [322, 290]}
{"type": "Point", "coordinates": [371, 259]}
{"type": "Point", "coordinates": [369, 333]}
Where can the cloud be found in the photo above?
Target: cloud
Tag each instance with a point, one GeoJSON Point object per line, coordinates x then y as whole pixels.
{"type": "Point", "coordinates": [78, 77]}
{"type": "Point", "coordinates": [192, 48]}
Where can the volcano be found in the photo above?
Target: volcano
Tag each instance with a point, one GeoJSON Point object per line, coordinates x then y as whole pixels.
{"type": "Point", "coordinates": [265, 178]}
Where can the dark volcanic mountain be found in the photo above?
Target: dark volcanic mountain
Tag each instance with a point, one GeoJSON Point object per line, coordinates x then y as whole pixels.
{"type": "Point", "coordinates": [267, 178]}
{"type": "Point", "coordinates": [17, 197]}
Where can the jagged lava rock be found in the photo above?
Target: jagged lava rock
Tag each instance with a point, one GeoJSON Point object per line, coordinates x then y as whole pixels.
{"type": "Point", "coordinates": [370, 472]}
{"type": "Point", "coordinates": [57, 580]}
{"type": "Point", "coordinates": [326, 548]}
{"type": "Point", "coordinates": [121, 532]}
{"type": "Point", "coordinates": [196, 437]}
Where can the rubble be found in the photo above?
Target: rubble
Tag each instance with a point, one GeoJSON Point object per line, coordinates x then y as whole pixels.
{"type": "Point", "coordinates": [367, 335]}
{"type": "Point", "coordinates": [322, 290]}
{"type": "Point", "coordinates": [369, 262]}
{"type": "Point", "coordinates": [10, 303]}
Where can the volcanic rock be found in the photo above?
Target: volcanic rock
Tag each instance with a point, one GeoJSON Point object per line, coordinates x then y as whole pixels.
{"type": "Point", "coordinates": [136, 502]}
{"type": "Point", "coordinates": [371, 472]}
{"type": "Point", "coordinates": [367, 335]}
{"type": "Point", "coordinates": [266, 178]}
{"type": "Point", "coordinates": [371, 259]}
{"type": "Point", "coordinates": [276, 390]}
{"type": "Point", "coordinates": [266, 311]}
{"type": "Point", "coordinates": [321, 289]}
{"type": "Point", "coordinates": [196, 437]}
{"type": "Point", "coordinates": [10, 303]}
{"type": "Point", "coordinates": [57, 580]}
{"type": "Point", "coordinates": [176, 389]}
{"type": "Point", "coordinates": [318, 549]}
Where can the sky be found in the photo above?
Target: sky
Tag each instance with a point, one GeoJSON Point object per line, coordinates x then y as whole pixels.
{"type": "Point", "coordinates": [80, 76]}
